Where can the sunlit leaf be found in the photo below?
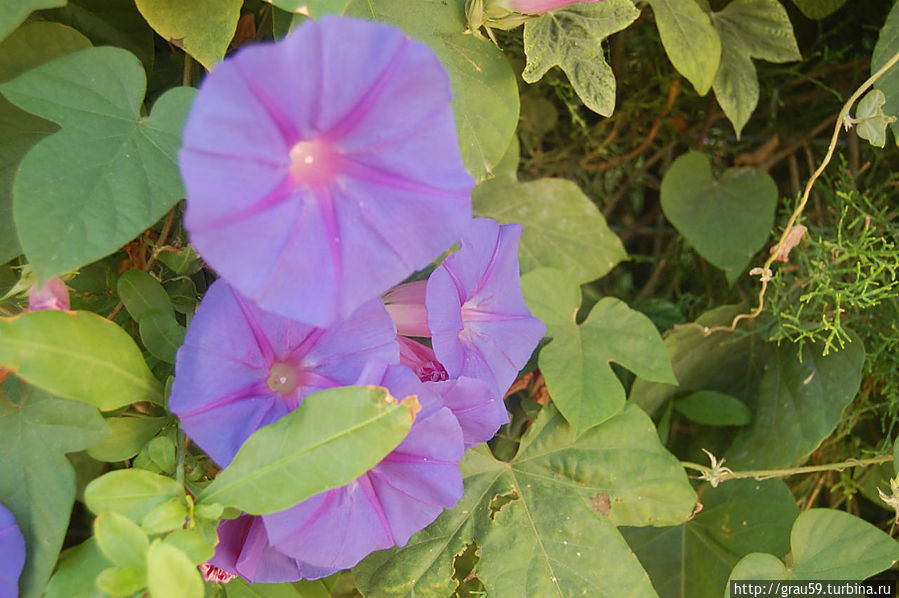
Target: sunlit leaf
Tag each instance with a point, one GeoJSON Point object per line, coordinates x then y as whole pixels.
{"type": "Point", "coordinates": [577, 361]}
{"type": "Point", "coordinates": [171, 574]}
{"type": "Point", "coordinates": [572, 38]}
{"type": "Point", "coordinates": [545, 523]}
{"type": "Point", "coordinates": [121, 540]}
{"type": "Point", "coordinates": [333, 437]}
{"type": "Point", "coordinates": [562, 228]}
{"type": "Point", "coordinates": [14, 12]}
{"type": "Point", "coordinates": [77, 355]}
{"type": "Point", "coordinates": [887, 46]}
{"type": "Point", "coordinates": [76, 574]}
{"type": "Point", "coordinates": [131, 492]}
{"type": "Point", "coordinates": [873, 122]}
{"type": "Point", "coordinates": [127, 436]}
{"type": "Point", "coordinates": [690, 40]}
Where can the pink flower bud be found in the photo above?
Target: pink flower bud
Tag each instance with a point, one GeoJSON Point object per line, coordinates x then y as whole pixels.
{"type": "Point", "coordinates": [53, 295]}
{"type": "Point", "coordinates": [535, 7]}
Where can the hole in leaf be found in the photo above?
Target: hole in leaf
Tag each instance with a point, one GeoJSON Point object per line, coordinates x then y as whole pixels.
{"type": "Point", "coordinates": [501, 500]}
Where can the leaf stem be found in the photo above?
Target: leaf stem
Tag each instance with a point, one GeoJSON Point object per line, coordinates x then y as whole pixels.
{"type": "Point", "coordinates": [722, 474]}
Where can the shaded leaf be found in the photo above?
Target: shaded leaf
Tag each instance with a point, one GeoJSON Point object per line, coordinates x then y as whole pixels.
{"type": "Point", "coordinates": [332, 438]}
{"type": "Point", "coordinates": [872, 124]}
{"type": "Point", "coordinates": [76, 574]}
{"type": "Point", "coordinates": [713, 408]}
{"type": "Point", "coordinates": [887, 46]}
{"type": "Point", "coordinates": [161, 334]}
{"type": "Point", "coordinates": [14, 12]}
{"type": "Point", "coordinates": [77, 355]}
{"type": "Point", "coordinates": [37, 482]}
{"type": "Point", "coordinates": [826, 544]}
{"type": "Point", "coordinates": [762, 28]}
{"type": "Point", "coordinates": [140, 293]}
{"type": "Point", "coordinates": [549, 539]}
{"type": "Point", "coordinates": [109, 173]}
{"type": "Point", "coordinates": [801, 398]}
{"type": "Point", "coordinates": [818, 9]}
{"type": "Point", "coordinates": [562, 228]}
{"type": "Point", "coordinates": [690, 40]}
{"type": "Point", "coordinates": [693, 560]}
{"type": "Point", "coordinates": [577, 362]}
{"type": "Point", "coordinates": [202, 28]}
{"type": "Point", "coordinates": [485, 91]}
{"type": "Point", "coordinates": [29, 46]}
{"type": "Point", "coordinates": [127, 436]}
{"type": "Point", "coordinates": [727, 220]}
{"type": "Point", "coordinates": [572, 38]}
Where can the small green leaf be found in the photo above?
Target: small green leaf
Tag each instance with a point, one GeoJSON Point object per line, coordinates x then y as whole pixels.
{"type": "Point", "coordinates": [562, 228]}
{"type": "Point", "coordinates": [209, 511]}
{"type": "Point", "coordinates": [202, 28]}
{"type": "Point", "coordinates": [736, 84]}
{"type": "Point", "coordinates": [161, 334]}
{"type": "Point", "coordinates": [29, 46]}
{"type": "Point", "coordinates": [14, 12]}
{"type": "Point", "coordinates": [127, 436]}
{"type": "Point", "coordinates": [77, 355]}
{"type": "Point", "coordinates": [171, 574]}
{"type": "Point", "coordinates": [332, 438]}
{"type": "Point", "coordinates": [181, 261]}
{"type": "Point", "coordinates": [131, 492]}
{"type": "Point", "coordinates": [109, 173]}
{"type": "Point", "coordinates": [557, 535]}
{"type": "Point", "coordinates": [712, 408]}
{"type": "Point", "coordinates": [727, 220]}
{"type": "Point", "coordinates": [141, 293]}
{"type": "Point", "coordinates": [800, 401]}
{"type": "Point", "coordinates": [577, 361]}
{"type": "Point", "coordinates": [122, 581]}
{"type": "Point", "coordinates": [690, 40]}
{"type": "Point", "coordinates": [121, 540]}
{"type": "Point", "coordinates": [238, 588]}
{"type": "Point", "coordinates": [886, 48]}
{"type": "Point", "coordinates": [693, 560]}
{"type": "Point", "coordinates": [826, 544]}
{"type": "Point", "coordinates": [77, 572]}
{"type": "Point", "coordinates": [872, 122]}
{"type": "Point", "coordinates": [193, 543]}
{"type": "Point", "coordinates": [572, 38]}
{"type": "Point", "coordinates": [166, 517]}
{"type": "Point", "coordinates": [37, 482]}
{"type": "Point", "coordinates": [162, 452]}
{"type": "Point", "coordinates": [818, 9]}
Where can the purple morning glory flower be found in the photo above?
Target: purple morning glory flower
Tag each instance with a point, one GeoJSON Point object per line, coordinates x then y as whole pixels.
{"type": "Point", "coordinates": [405, 492]}
{"type": "Point", "coordinates": [480, 325]}
{"type": "Point", "coordinates": [12, 554]}
{"type": "Point", "coordinates": [241, 368]}
{"type": "Point", "coordinates": [322, 169]}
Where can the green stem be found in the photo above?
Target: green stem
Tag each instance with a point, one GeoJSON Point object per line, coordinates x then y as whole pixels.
{"type": "Point", "coordinates": [188, 67]}
{"type": "Point", "coordinates": [180, 453]}
{"type": "Point", "coordinates": [724, 474]}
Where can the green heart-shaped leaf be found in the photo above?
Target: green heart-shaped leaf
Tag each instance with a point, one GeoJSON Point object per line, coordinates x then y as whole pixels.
{"type": "Point", "coordinates": [727, 220]}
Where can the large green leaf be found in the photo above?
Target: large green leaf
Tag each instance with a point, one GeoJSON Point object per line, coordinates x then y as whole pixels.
{"type": "Point", "coordinates": [29, 46]}
{"type": "Point", "coordinates": [14, 12]}
{"type": "Point", "coordinates": [826, 544]}
{"type": "Point", "coordinates": [545, 523]}
{"type": "Point", "coordinates": [886, 48]}
{"type": "Point", "coordinates": [800, 400]}
{"type": "Point", "coordinates": [572, 39]}
{"type": "Point", "coordinates": [332, 438]}
{"type": "Point", "coordinates": [562, 228]}
{"type": "Point", "coordinates": [485, 91]}
{"type": "Point", "coordinates": [577, 362]}
{"type": "Point", "coordinates": [37, 483]}
{"type": "Point", "coordinates": [749, 29]}
{"type": "Point", "coordinates": [77, 355]}
{"type": "Point", "coordinates": [720, 361]}
{"type": "Point", "coordinates": [728, 219]}
{"type": "Point", "coordinates": [202, 28]}
{"type": "Point", "coordinates": [693, 560]}
{"type": "Point", "coordinates": [109, 173]}
{"type": "Point", "coordinates": [690, 40]}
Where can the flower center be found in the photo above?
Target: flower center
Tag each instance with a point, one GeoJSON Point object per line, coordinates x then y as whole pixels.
{"type": "Point", "coordinates": [431, 371]}
{"type": "Point", "coordinates": [313, 162]}
{"type": "Point", "coordinates": [282, 378]}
